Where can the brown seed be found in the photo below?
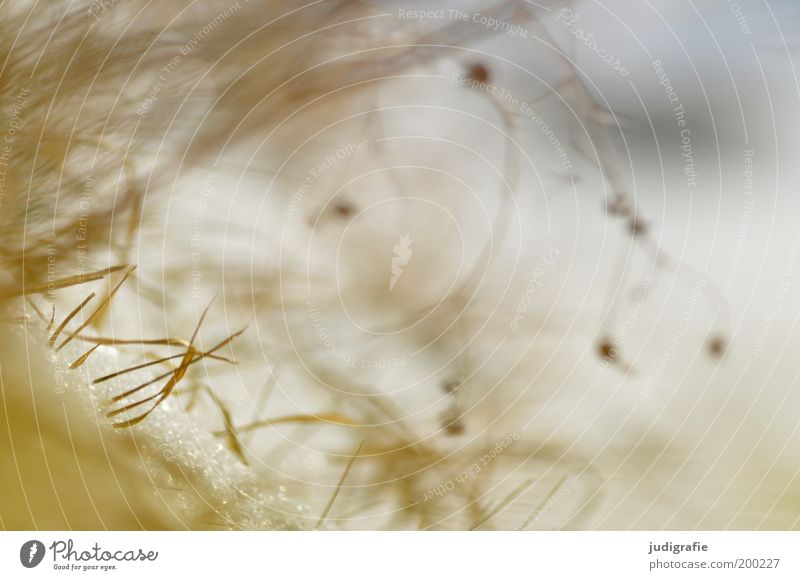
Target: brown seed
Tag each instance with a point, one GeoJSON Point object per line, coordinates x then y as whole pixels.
{"type": "Point", "coordinates": [343, 209]}
{"type": "Point", "coordinates": [636, 226]}
{"type": "Point", "coordinates": [450, 386]}
{"type": "Point", "coordinates": [716, 346]}
{"type": "Point", "coordinates": [607, 350]}
{"type": "Point", "coordinates": [453, 426]}
{"type": "Point", "coordinates": [478, 73]}
{"type": "Point", "coordinates": [617, 207]}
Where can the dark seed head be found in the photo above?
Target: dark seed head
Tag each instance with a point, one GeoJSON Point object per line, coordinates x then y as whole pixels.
{"type": "Point", "coordinates": [453, 426]}
{"type": "Point", "coordinates": [607, 350]}
{"type": "Point", "coordinates": [450, 386]}
{"type": "Point", "coordinates": [636, 226]}
{"type": "Point", "coordinates": [343, 209]}
{"type": "Point", "coordinates": [716, 346]}
{"type": "Point", "coordinates": [478, 73]}
{"type": "Point", "coordinates": [617, 207]}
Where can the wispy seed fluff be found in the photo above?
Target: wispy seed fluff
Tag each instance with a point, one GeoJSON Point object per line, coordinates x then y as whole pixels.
{"type": "Point", "coordinates": [285, 266]}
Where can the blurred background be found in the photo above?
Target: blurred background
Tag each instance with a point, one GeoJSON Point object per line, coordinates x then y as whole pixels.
{"type": "Point", "coordinates": [505, 265]}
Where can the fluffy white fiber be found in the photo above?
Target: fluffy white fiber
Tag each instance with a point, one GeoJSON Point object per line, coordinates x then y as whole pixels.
{"type": "Point", "coordinates": [460, 307]}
